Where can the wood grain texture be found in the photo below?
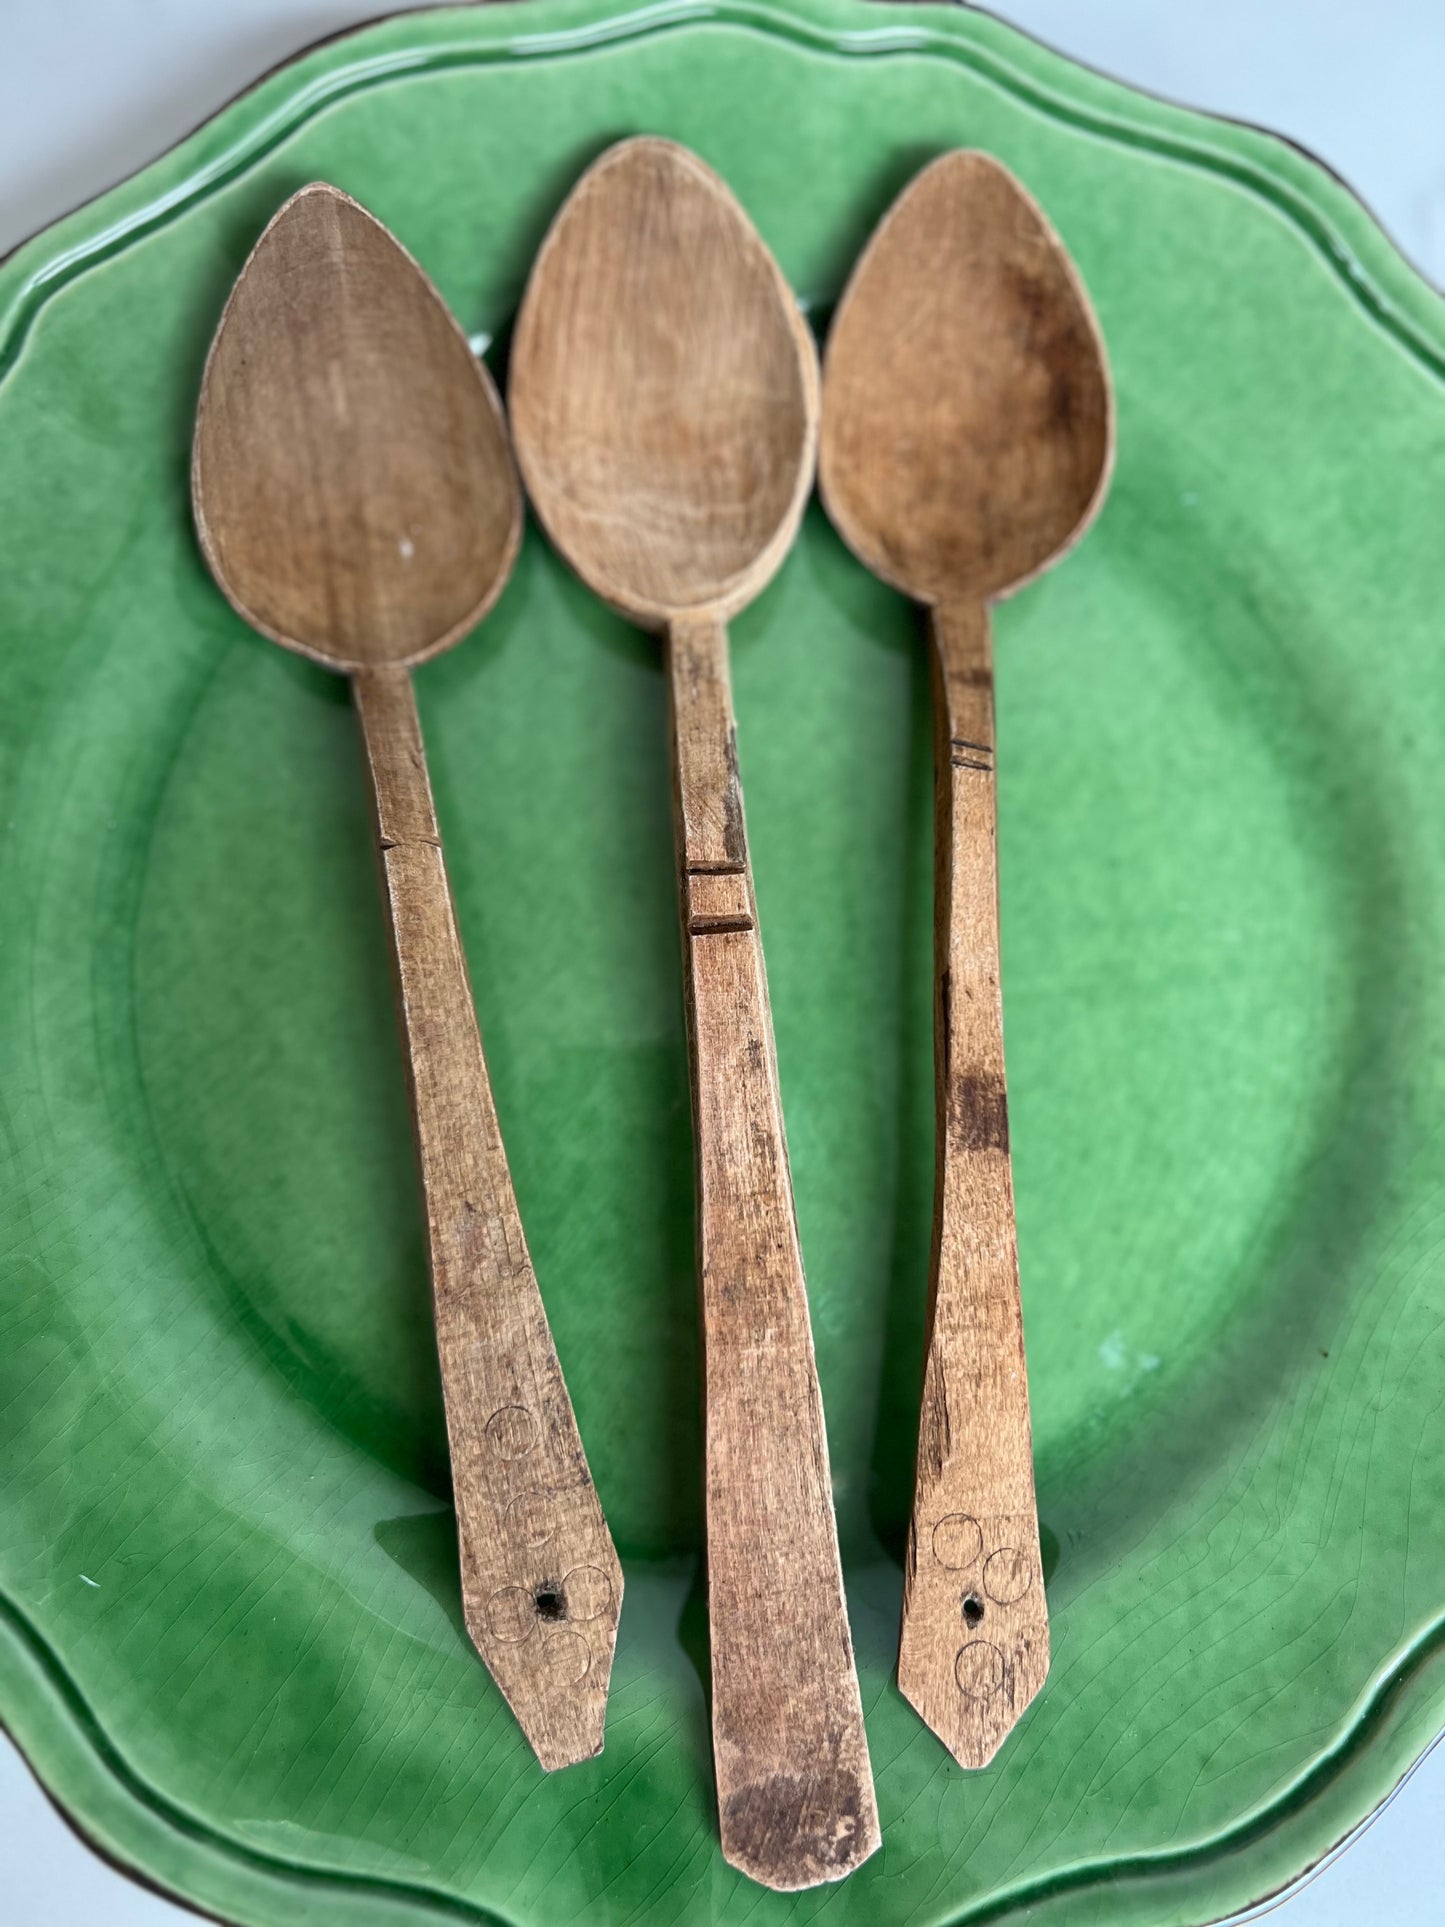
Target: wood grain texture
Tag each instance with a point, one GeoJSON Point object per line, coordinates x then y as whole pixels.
{"type": "Point", "coordinates": [664, 400]}
{"type": "Point", "coordinates": [541, 1583]}
{"type": "Point", "coordinates": [356, 500]}
{"type": "Point", "coordinates": [662, 387]}
{"type": "Point", "coordinates": [967, 441]}
{"type": "Point", "coordinates": [795, 1789]}
{"type": "Point", "coordinates": [968, 420]}
{"type": "Point", "coordinates": [352, 482]}
{"type": "Point", "coordinates": [975, 1639]}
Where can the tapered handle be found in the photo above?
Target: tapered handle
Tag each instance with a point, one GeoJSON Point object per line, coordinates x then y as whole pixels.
{"type": "Point", "coordinates": [541, 1585]}
{"type": "Point", "coordinates": [975, 1642]}
{"type": "Point", "coordinates": [795, 1789]}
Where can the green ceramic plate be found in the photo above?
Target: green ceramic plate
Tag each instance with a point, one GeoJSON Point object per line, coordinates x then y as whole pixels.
{"type": "Point", "coordinates": [228, 1590]}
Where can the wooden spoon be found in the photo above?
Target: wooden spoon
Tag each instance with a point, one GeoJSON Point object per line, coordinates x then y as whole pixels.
{"type": "Point", "coordinates": [356, 501]}
{"type": "Point", "coordinates": [967, 442]}
{"type": "Point", "coordinates": [664, 405]}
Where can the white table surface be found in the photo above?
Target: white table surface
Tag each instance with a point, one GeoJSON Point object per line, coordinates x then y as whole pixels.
{"type": "Point", "coordinates": [92, 89]}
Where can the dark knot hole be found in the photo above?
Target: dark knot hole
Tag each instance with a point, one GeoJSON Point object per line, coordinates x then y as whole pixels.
{"type": "Point", "coordinates": [549, 1602]}
{"type": "Point", "coordinates": [972, 1609]}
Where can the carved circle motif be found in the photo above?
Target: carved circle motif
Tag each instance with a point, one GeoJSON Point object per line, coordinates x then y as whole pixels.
{"type": "Point", "coordinates": [1007, 1575]}
{"type": "Point", "coordinates": [587, 1591]}
{"type": "Point", "coordinates": [566, 1657]}
{"type": "Point", "coordinates": [530, 1517]}
{"type": "Point", "coordinates": [511, 1432]}
{"type": "Point", "coordinates": [957, 1541]}
{"type": "Point", "coordinates": [978, 1670]}
{"type": "Point", "coordinates": [511, 1613]}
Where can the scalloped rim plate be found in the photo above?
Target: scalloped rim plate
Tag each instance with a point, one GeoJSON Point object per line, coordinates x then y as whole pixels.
{"type": "Point", "coordinates": [1368, 1743]}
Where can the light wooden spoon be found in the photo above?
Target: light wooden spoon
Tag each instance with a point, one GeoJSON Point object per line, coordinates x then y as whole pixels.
{"type": "Point", "coordinates": [356, 501]}
{"type": "Point", "coordinates": [967, 442]}
{"type": "Point", "coordinates": [664, 405]}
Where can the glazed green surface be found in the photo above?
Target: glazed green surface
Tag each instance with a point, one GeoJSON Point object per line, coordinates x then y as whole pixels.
{"type": "Point", "coordinates": [229, 1634]}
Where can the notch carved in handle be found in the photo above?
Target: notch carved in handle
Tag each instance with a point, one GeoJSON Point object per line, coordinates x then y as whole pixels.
{"type": "Point", "coordinates": [974, 1647]}
{"type": "Point", "coordinates": [795, 1788]}
{"type": "Point", "coordinates": [541, 1583]}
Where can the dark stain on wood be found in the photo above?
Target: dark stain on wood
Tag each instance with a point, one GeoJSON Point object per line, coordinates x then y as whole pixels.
{"type": "Point", "coordinates": [978, 1112]}
{"type": "Point", "coordinates": [735, 842]}
{"type": "Point", "coordinates": [808, 1820]}
{"type": "Point", "coordinates": [935, 1437]}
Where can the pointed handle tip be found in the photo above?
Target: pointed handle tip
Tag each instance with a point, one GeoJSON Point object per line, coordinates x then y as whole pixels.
{"type": "Point", "coordinates": [550, 1650]}
{"type": "Point", "coordinates": [580, 1740]}
{"type": "Point", "coordinates": [973, 1697]}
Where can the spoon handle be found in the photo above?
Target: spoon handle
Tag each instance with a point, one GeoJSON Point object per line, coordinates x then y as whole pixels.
{"type": "Point", "coordinates": [975, 1642]}
{"type": "Point", "coordinates": [541, 1585]}
{"type": "Point", "coordinates": [795, 1789]}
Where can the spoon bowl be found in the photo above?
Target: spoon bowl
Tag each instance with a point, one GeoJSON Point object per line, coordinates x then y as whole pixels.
{"type": "Point", "coordinates": [968, 434]}
{"type": "Point", "coordinates": [354, 493]}
{"type": "Point", "coordinates": [665, 421]}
